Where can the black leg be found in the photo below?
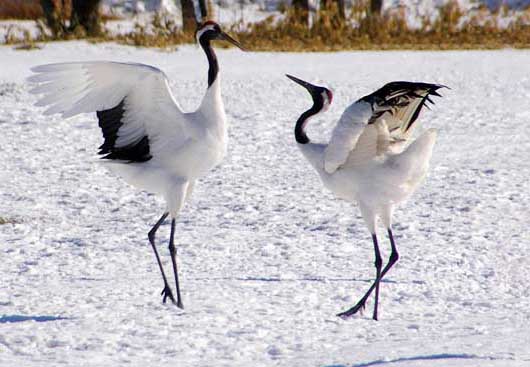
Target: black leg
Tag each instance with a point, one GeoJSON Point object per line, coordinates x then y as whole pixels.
{"type": "Point", "coordinates": [166, 292]}
{"type": "Point", "coordinates": [378, 265]}
{"type": "Point", "coordinates": [394, 257]}
{"type": "Point", "coordinates": [173, 253]}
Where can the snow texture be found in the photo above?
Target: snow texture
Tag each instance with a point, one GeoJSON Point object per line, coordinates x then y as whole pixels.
{"type": "Point", "coordinates": [267, 257]}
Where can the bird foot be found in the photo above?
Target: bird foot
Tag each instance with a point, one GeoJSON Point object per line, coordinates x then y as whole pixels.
{"type": "Point", "coordinates": [167, 293]}
{"type": "Point", "coordinates": [359, 307]}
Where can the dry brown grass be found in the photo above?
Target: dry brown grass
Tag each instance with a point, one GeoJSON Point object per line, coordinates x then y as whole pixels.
{"type": "Point", "coordinates": [32, 10]}
{"type": "Point", "coordinates": [20, 9]}
{"type": "Point", "coordinates": [451, 29]}
{"type": "Point", "coordinates": [163, 32]}
{"type": "Point", "coordinates": [4, 220]}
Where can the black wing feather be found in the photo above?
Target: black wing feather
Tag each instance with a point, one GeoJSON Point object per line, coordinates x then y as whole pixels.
{"type": "Point", "coordinates": [110, 121]}
{"type": "Point", "coordinates": [396, 95]}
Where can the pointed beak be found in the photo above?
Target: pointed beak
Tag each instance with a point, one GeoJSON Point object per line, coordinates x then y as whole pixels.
{"type": "Point", "coordinates": [226, 37]}
{"type": "Point", "coordinates": [310, 87]}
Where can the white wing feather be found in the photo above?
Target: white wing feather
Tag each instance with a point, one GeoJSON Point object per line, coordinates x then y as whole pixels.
{"type": "Point", "coordinates": [150, 108]}
{"type": "Point", "coordinates": [374, 141]}
{"type": "Point", "coordinates": [378, 123]}
{"type": "Point", "coordinates": [346, 134]}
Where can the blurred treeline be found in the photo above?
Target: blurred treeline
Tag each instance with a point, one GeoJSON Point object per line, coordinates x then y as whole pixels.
{"type": "Point", "coordinates": [303, 25]}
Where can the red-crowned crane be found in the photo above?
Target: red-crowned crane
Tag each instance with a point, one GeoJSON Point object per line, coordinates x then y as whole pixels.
{"type": "Point", "coordinates": [148, 140]}
{"type": "Point", "coordinates": [371, 158]}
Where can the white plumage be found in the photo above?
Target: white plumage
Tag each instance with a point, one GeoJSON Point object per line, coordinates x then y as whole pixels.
{"type": "Point", "coordinates": [345, 135]}
{"type": "Point", "coordinates": [149, 141]}
{"type": "Point", "coordinates": [150, 110]}
{"type": "Point", "coordinates": [371, 158]}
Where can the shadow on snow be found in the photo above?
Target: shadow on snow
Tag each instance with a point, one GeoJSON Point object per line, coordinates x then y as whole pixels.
{"type": "Point", "coordinates": [305, 279]}
{"type": "Point", "coordinates": [21, 318]}
{"type": "Point", "coordinates": [418, 358]}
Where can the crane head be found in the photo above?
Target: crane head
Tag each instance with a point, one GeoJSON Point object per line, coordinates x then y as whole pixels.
{"type": "Point", "coordinates": [210, 30]}
{"type": "Point", "coordinates": [321, 95]}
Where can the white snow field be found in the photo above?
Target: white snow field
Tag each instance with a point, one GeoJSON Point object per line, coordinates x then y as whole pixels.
{"type": "Point", "coordinates": [267, 257]}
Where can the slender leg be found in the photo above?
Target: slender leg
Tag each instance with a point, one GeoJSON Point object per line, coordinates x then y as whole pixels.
{"type": "Point", "coordinates": [378, 265]}
{"type": "Point", "coordinates": [173, 253]}
{"type": "Point", "coordinates": [166, 292]}
{"type": "Point", "coordinates": [394, 257]}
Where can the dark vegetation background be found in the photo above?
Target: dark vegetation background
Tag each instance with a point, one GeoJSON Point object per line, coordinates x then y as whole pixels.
{"type": "Point", "coordinates": [332, 25]}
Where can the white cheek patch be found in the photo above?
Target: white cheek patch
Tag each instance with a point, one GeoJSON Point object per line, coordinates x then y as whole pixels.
{"type": "Point", "coordinates": [209, 27]}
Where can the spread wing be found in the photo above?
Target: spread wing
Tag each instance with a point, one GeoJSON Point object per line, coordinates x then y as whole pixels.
{"type": "Point", "coordinates": [346, 134]}
{"type": "Point", "coordinates": [137, 113]}
{"type": "Point", "coordinates": [399, 104]}
{"type": "Point", "coordinates": [377, 123]}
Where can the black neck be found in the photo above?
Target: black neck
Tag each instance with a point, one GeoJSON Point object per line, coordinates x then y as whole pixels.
{"type": "Point", "coordinates": [299, 129]}
{"type": "Point", "coordinates": [213, 68]}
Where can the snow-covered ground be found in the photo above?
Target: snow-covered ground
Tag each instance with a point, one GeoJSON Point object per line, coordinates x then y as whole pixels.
{"type": "Point", "coordinates": [267, 258]}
